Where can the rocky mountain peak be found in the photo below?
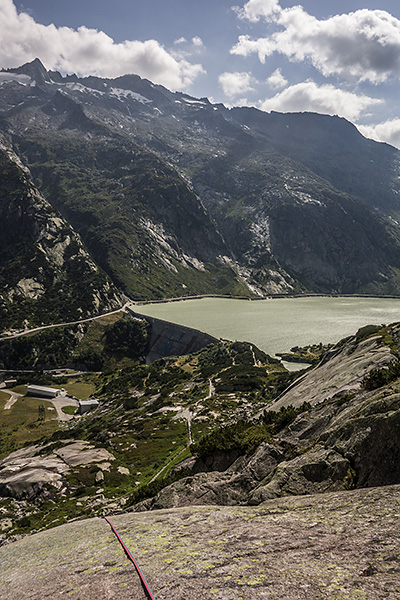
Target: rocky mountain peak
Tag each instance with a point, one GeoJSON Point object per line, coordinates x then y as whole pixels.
{"type": "Point", "coordinates": [35, 69]}
{"type": "Point", "coordinates": [197, 198]}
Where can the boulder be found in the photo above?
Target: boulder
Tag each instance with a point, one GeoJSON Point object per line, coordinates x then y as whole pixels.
{"type": "Point", "coordinates": [24, 474]}
{"type": "Point", "coordinates": [319, 470]}
{"type": "Point", "coordinates": [33, 471]}
{"type": "Point", "coordinates": [83, 453]}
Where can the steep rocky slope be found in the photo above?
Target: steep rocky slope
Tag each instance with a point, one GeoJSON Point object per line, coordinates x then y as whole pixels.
{"type": "Point", "coordinates": [345, 436]}
{"type": "Point", "coordinates": [174, 195]}
{"type": "Point", "coordinates": [46, 274]}
{"type": "Point", "coordinates": [339, 546]}
{"type": "Point", "coordinates": [335, 150]}
{"type": "Point", "coordinates": [142, 222]}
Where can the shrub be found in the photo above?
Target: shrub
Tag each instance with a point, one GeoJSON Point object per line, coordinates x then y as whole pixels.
{"type": "Point", "coordinates": [242, 436]}
{"type": "Point", "coordinates": [127, 337]}
{"type": "Point", "coordinates": [276, 421]}
{"type": "Point", "coordinates": [377, 378]}
{"type": "Point", "coordinates": [152, 489]}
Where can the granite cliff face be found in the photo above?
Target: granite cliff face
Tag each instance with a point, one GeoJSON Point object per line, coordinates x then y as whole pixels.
{"type": "Point", "coordinates": [347, 437]}
{"type": "Point", "coordinates": [294, 548]}
{"type": "Point", "coordinates": [43, 262]}
{"type": "Point", "coordinates": [176, 196]}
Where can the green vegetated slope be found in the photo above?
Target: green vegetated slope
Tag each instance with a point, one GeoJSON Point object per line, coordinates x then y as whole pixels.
{"type": "Point", "coordinates": [46, 274]}
{"type": "Point", "coordinates": [99, 344]}
{"type": "Point", "coordinates": [226, 425]}
{"type": "Point", "coordinates": [148, 418]}
{"type": "Point", "coordinates": [176, 196]}
{"type": "Point", "coordinates": [143, 224]}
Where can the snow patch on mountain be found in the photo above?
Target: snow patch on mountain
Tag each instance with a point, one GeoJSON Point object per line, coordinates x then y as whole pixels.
{"type": "Point", "coordinates": [78, 87]}
{"type": "Point", "coordinates": [19, 78]}
{"type": "Point", "coordinates": [123, 94]}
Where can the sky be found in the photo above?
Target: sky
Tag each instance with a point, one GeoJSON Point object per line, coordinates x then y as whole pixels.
{"type": "Point", "coordinates": [327, 56]}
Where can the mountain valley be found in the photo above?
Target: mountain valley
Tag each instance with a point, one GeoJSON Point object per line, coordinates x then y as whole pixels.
{"type": "Point", "coordinates": [116, 191]}
{"type": "Point", "coordinates": [175, 196]}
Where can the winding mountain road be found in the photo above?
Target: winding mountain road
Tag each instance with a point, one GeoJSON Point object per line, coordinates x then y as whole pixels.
{"type": "Point", "coordinates": [41, 328]}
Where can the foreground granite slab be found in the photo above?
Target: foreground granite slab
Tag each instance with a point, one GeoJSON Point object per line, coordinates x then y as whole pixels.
{"type": "Point", "coordinates": [342, 545]}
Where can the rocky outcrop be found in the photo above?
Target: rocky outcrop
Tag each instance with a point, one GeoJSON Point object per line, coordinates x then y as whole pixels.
{"type": "Point", "coordinates": [34, 472]}
{"type": "Point", "coordinates": [347, 438]}
{"type": "Point", "coordinates": [320, 470]}
{"type": "Point", "coordinates": [338, 545]}
{"type": "Point", "coordinates": [341, 372]}
{"type": "Point", "coordinates": [25, 474]}
{"type": "Point", "coordinates": [83, 453]}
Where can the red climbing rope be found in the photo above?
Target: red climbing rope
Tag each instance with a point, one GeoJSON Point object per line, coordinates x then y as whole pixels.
{"type": "Point", "coordinates": [129, 555]}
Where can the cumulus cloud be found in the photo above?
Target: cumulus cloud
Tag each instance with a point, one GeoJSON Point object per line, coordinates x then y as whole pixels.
{"type": "Point", "coordinates": [277, 81]}
{"type": "Point", "coordinates": [389, 132]}
{"type": "Point", "coordinates": [326, 99]}
{"type": "Point", "coordinates": [88, 51]}
{"type": "Point", "coordinates": [254, 10]}
{"type": "Point", "coordinates": [186, 49]}
{"type": "Point", "coordinates": [364, 45]}
{"type": "Point", "coordinates": [234, 84]}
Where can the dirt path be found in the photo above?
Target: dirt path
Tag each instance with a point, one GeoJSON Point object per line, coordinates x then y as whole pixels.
{"type": "Point", "coordinates": [13, 398]}
{"type": "Point", "coordinates": [168, 464]}
{"type": "Point", "coordinates": [211, 391]}
{"type": "Point", "coordinates": [189, 415]}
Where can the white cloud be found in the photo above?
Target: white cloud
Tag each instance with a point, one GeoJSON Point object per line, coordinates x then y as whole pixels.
{"type": "Point", "coordinates": [277, 80]}
{"type": "Point", "coordinates": [180, 40]}
{"type": "Point", "coordinates": [254, 10]}
{"type": "Point", "coordinates": [326, 99]}
{"type": "Point", "coordinates": [197, 41]}
{"type": "Point", "coordinates": [234, 84]}
{"type": "Point", "coordinates": [364, 45]}
{"type": "Point", "coordinates": [389, 132]}
{"type": "Point", "coordinates": [187, 49]}
{"type": "Point", "coordinates": [88, 51]}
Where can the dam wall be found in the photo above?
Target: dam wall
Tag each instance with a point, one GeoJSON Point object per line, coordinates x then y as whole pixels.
{"type": "Point", "coordinates": [170, 339]}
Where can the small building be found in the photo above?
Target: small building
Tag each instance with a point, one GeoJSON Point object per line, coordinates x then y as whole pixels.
{"type": "Point", "coordinates": [39, 391]}
{"type": "Point", "coordinates": [87, 405]}
{"type": "Point", "coordinates": [10, 382]}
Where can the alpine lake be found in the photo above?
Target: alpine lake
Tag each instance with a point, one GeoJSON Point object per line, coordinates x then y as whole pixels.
{"type": "Point", "coordinates": [278, 324]}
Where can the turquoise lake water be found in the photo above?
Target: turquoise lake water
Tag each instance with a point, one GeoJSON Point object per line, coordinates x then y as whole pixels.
{"type": "Point", "coordinates": [276, 325]}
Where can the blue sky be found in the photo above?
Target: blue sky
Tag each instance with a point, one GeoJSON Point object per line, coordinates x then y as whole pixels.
{"type": "Point", "coordinates": [335, 57]}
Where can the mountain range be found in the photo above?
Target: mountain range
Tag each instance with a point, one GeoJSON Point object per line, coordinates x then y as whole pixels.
{"type": "Point", "coordinates": [116, 188]}
{"type": "Point", "coordinates": [168, 195]}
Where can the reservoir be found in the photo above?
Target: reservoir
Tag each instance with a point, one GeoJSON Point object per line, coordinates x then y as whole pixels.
{"type": "Point", "coordinates": [276, 325]}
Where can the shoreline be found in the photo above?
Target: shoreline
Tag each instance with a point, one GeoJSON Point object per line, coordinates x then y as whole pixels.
{"type": "Point", "coordinates": [268, 297]}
